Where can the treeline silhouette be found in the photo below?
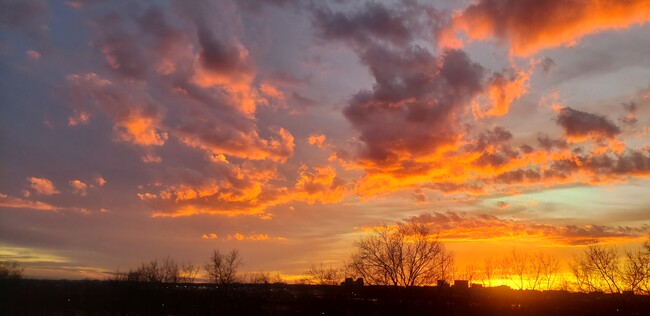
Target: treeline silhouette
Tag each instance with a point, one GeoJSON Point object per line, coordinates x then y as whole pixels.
{"type": "Point", "coordinates": [60, 297]}
{"type": "Point", "coordinates": [398, 265]}
{"type": "Point", "coordinates": [408, 255]}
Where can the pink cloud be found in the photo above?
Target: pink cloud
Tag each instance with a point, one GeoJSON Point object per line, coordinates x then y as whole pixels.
{"type": "Point", "coordinates": [42, 186]}
{"type": "Point", "coordinates": [33, 54]}
{"type": "Point", "coordinates": [14, 202]}
{"type": "Point", "coordinates": [78, 187]}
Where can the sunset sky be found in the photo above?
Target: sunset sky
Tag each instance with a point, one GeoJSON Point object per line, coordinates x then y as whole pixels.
{"type": "Point", "coordinates": [134, 130]}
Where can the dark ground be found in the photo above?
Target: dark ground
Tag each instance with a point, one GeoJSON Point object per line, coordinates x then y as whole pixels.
{"type": "Point", "coordinates": [45, 297]}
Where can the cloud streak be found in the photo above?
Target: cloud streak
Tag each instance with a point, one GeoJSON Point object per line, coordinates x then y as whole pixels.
{"type": "Point", "coordinates": [459, 226]}
{"type": "Point", "coordinates": [14, 202]}
{"type": "Point", "coordinates": [528, 26]}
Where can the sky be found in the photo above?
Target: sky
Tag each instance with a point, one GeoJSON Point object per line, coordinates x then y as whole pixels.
{"type": "Point", "coordinates": [134, 130]}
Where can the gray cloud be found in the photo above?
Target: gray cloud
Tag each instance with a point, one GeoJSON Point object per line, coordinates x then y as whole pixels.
{"type": "Point", "coordinates": [581, 124]}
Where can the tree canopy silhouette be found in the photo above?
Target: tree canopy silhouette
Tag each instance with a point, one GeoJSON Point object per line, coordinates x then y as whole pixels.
{"type": "Point", "coordinates": [222, 268]}
{"type": "Point", "coordinates": [10, 270]}
{"type": "Point", "coordinates": [601, 269]}
{"type": "Point", "coordinates": [403, 255]}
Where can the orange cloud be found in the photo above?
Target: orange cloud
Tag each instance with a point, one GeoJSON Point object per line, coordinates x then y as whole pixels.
{"type": "Point", "coordinates": [271, 91]}
{"type": "Point", "coordinates": [317, 140]}
{"type": "Point", "coordinates": [78, 187]}
{"type": "Point", "coordinates": [529, 26]}
{"type": "Point", "coordinates": [247, 145]}
{"type": "Point", "coordinates": [141, 130]}
{"type": "Point", "coordinates": [14, 202]}
{"type": "Point", "coordinates": [137, 118]}
{"type": "Point", "coordinates": [42, 186]}
{"type": "Point", "coordinates": [500, 92]}
{"type": "Point", "coordinates": [239, 88]}
{"type": "Point", "coordinates": [242, 237]}
{"type": "Point", "coordinates": [209, 236]}
{"type": "Point", "coordinates": [490, 165]}
{"type": "Point", "coordinates": [100, 180]}
{"type": "Point", "coordinates": [320, 184]}
{"type": "Point", "coordinates": [78, 118]}
{"type": "Point", "coordinates": [150, 157]}
{"type": "Point", "coordinates": [458, 226]}
{"type": "Point", "coordinates": [248, 191]}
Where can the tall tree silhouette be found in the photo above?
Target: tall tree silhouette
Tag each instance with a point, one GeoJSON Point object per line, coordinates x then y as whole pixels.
{"type": "Point", "coordinates": [405, 255]}
{"type": "Point", "coordinates": [222, 268]}
{"type": "Point", "coordinates": [598, 269]}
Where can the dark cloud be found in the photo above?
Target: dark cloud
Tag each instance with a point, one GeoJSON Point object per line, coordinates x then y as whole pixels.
{"type": "Point", "coordinates": [449, 187]}
{"type": "Point", "coordinates": [502, 204]}
{"type": "Point", "coordinates": [256, 6]}
{"type": "Point", "coordinates": [135, 45]}
{"type": "Point", "coordinates": [220, 57]}
{"type": "Point", "coordinates": [496, 159]}
{"type": "Point", "coordinates": [493, 146]}
{"type": "Point", "coordinates": [593, 167]}
{"type": "Point", "coordinates": [22, 13]}
{"type": "Point", "coordinates": [28, 19]}
{"type": "Point", "coordinates": [527, 149]}
{"type": "Point", "coordinates": [518, 176]}
{"type": "Point", "coordinates": [373, 22]}
{"type": "Point", "coordinates": [548, 64]}
{"type": "Point", "coordinates": [549, 143]}
{"type": "Point", "coordinates": [496, 136]}
{"type": "Point", "coordinates": [415, 105]}
{"type": "Point", "coordinates": [301, 102]}
{"type": "Point", "coordinates": [419, 196]}
{"type": "Point", "coordinates": [286, 78]}
{"type": "Point", "coordinates": [582, 124]}
{"type": "Point", "coordinates": [631, 109]}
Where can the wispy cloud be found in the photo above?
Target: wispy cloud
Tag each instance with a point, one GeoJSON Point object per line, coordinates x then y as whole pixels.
{"type": "Point", "coordinates": [14, 202]}
{"type": "Point", "coordinates": [459, 226]}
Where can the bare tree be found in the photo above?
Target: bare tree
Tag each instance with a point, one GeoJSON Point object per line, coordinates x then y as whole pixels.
{"type": "Point", "coordinates": [169, 271]}
{"type": "Point", "coordinates": [260, 277]}
{"type": "Point", "coordinates": [515, 268]}
{"type": "Point", "coordinates": [322, 275]}
{"type": "Point", "coordinates": [470, 273]}
{"type": "Point", "coordinates": [597, 270]}
{"type": "Point", "coordinates": [446, 265]}
{"type": "Point", "coordinates": [636, 270]}
{"type": "Point", "coordinates": [406, 255]}
{"type": "Point", "coordinates": [164, 271]}
{"type": "Point", "coordinates": [488, 271]}
{"type": "Point", "coordinates": [645, 284]}
{"type": "Point", "coordinates": [147, 272]}
{"type": "Point", "coordinates": [222, 268]}
{"type": "Point", "coordinates": [10, 270]}
{"type": "Point", "coordinates": [189, 271]}
{"type": "Point", "coordinates": [264, 277]}
{"type": "Point", "coordinates": [550, 268]}
{"type": "Point", "coordinates": [600, 269]}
